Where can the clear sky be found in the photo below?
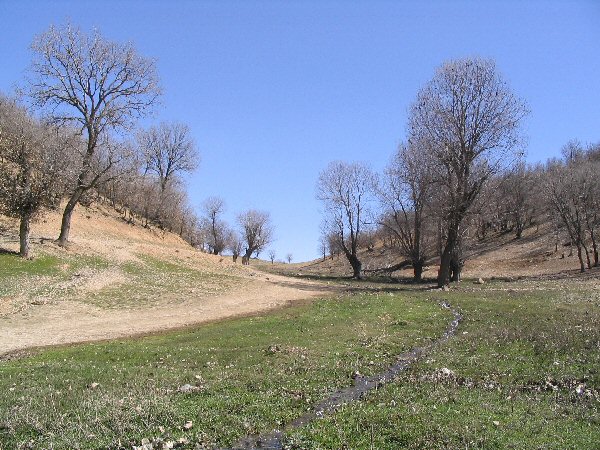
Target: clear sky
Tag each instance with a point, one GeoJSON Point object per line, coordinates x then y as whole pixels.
{"type": "Point", "coordinates": [274, 91]}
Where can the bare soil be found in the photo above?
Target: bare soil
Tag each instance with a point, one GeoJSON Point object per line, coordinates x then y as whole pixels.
{"type": "Point", "coordinates": [64, 314]}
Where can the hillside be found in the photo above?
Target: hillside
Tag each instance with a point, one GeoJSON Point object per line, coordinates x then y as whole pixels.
{"type": "Point", "coordinates": [117, 279]}
{"type": "Point", "coordinates": [499, 255]}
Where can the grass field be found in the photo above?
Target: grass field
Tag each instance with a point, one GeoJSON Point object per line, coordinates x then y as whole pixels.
{"type": "Point", "coordinates": [523, 372]}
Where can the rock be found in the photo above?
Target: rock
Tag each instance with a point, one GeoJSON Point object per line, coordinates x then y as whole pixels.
{"type": "Point", "coordinates": [445, 288]}
{"type": "Point", "coordinates": [446, 372]}
{"type": "Point", "coordinates": [187, 388]}
{"type": "Point", "coordinates": [273, 349]}
{"type": "Point", "coordinates": [94, 385]}
{"type": "Point", "coordinates": [480, 281]}
{"type": "Point", "coordinates": [188, 425]}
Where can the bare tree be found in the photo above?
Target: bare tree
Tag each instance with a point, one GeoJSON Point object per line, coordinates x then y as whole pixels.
{"type": "Point", "coordinates": [573, 191]}
{"type": "Point", "coordinates": [289, 258]}
{"type": "Point", "coordinates": [272, 255]}
{"type": "Point", "coordinates": [235, 245]}
{"type": "Point", "coordinates": [323, 246]}
{"type": "Point", "coordinates": [256, 230]}
{"type": "Point", "coordinates": [217, 230]}
{"type": "Point", "coordinates": [468, 120]}
{"type": "Point", "coordinates": [33, 168]}
{"type": "Point", "coordinates": [346, 191]}
{"type": "Point", "coordinates": [566, 195]}
{"type": "Point", "coordinates": [406, 196]}
{"type": "Point", "coordinates": [98, 85]}
{"type": "Point", "coordinates": [168, 150]}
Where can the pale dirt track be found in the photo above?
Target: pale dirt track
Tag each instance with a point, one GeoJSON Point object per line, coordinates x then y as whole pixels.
{"type": "Point", "coordinates": [72, 322]}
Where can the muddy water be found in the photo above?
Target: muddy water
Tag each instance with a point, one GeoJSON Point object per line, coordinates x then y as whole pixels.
{"type": "Point", "coordinates": [362, 385]}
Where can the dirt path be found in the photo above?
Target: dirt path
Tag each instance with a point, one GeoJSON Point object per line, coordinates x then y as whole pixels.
{"type": "Point", "coordinates": [71, 322]}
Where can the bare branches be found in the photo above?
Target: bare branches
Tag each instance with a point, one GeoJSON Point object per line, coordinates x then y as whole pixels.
{"type": "Point", "coordinates": [97, 85]}
{"type": "Point", "coordinates": [169, 149]}
{"type": "Point", "coordinates": [467, 119]}
{"type": "Point", "coordinates": [256, 230]}
{"type": "Point", "coordinates": [346, 191]}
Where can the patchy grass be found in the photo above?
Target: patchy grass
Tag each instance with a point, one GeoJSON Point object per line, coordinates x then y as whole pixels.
{"type": "Point", "coordinates": [248, 375]}
{"type": "Point", "coordinates": [45, 278]}
{"type": "Point", "coordinates": [523, 372]}
{"type": "Point", "coordinates": [151, 280]}
{"type": "Point", "coordinates": [98, 281]}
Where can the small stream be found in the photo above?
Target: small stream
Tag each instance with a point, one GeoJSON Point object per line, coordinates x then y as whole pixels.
{"type": "Point", "coordinates": [362, 385]}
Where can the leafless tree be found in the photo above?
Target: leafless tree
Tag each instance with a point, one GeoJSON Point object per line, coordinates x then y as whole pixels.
{"type": "Point", "coordinates": [272, 255]}
{"type": "Point", "coordinates": [323, 246]}
{"type": "Point", "coordinates": [289, 257]}
{"type": "Point", "coordinates": [256, 230]}
{"type": "Point", "coordinates": [566, 194]}
{"type": "Point", "coordinates": [235, 245]}
{"type": "Point", "coordinates": [95, 84]}
{"type": "Point", "coordinates": [217, 230]}
{"type": "Point", "coordinates": [33, 168]}
{"type": "Point", "coordinates": [573, 190]}
{"type": "Point", "coordinates": [406, 197]}
{"type": "Point", "coordinates": [168, 150]}
{"type": "Point", "coordinates": [468, 120]}
{"type": "Point", "coordinates": [346, 191]}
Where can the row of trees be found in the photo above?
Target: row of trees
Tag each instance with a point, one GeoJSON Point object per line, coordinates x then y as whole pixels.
{"type": "Point", "coordinates": [75, 138]}
{"type": "Point", "coordinates": [460, 170]}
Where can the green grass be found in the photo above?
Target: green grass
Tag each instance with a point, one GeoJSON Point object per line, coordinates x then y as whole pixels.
{"type": "Point", "coordinates": [516, 364]}
{"type": "Point", "coordinates": [254, 374]}
{"type": "Point", "coordinates": [522, 352]}
{"type": "Point", "coordinates": [11, 265]}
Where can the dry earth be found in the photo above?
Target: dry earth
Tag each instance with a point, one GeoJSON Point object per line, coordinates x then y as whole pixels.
{"type": "Point", "coordinates": [500, 255]}
{"type": "Point", "coordinates": [65, 314]}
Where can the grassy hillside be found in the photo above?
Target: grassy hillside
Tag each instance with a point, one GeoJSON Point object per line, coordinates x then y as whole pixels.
{"type": "Point", "coordinates": [109, 263]}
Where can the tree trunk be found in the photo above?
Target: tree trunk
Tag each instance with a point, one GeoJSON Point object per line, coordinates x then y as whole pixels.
{"type": "Point", "coordinates": [594, 247]}
{"type": "Point", "coordinates": [65, 226]}
{"type": "Point", "coordinates": [418, 271]}
{"type": "Point", "coordinates": [579, 254]}
{"type": "Point", "coordinates": [24, 229]}
{"type": "Point", "coordinates": [356, 266]}
{"type": "Point", "coordinates": [446, 259]}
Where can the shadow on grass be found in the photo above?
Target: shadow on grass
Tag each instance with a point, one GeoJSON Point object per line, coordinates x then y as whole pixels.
{"type": "Point", "coordinates": [5, 251]}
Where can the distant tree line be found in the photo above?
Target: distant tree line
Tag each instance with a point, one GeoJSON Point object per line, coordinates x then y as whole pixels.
{"type": "Point", "coordinates": [74, 138]}
{"type": "Point", "coordinates": [460, 175]}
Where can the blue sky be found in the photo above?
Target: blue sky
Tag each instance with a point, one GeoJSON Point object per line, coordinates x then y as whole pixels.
{"type": "Point", "coordinates": [274, 91]}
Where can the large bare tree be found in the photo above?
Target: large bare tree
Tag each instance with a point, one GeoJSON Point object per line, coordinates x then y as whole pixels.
{"type": "Point", "coordinates": [256, 230]}
{"type": "Point", "coordinates": [33, 168]}
{"type": "Point", "coordinates": [95, 84]}
{"type": "Point", "coordinates": [469, 122]}
{"type": "Point", "coordinates": [346, 190]}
